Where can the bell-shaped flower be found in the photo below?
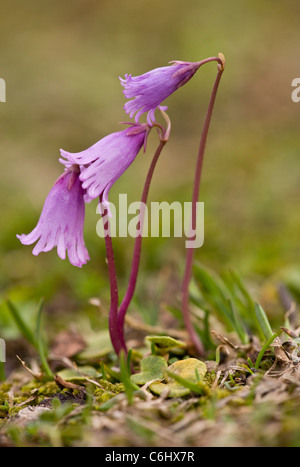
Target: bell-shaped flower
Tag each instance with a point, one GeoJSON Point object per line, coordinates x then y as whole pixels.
{"type": "Point", "coordinates": [149, 90]}
{"type": "Point", "coordinates": [62, 220]}
{"type": "Point", "coordinates": [102, 164]}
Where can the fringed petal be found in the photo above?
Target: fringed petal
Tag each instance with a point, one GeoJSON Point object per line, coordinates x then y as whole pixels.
{"type": "Point", "coordinates": [61, 222]}
{"type": "Point", "coordinates": [149, 90]}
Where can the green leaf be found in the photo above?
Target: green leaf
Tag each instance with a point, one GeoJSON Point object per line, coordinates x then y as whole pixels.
{"type": "Point", "coordinates": [70, 374]}
{"type": "Point", "coordinates": [174, 389]}
{"type": "Point", "coordinates": [152, 368]}
{"type": "Point", "coordinates": [98, 346]}
{"type": "Point", "coordinates": [181, 378]}
{"type": "Point", "coordinates": [164, 344]}
{"type": "Point", "coordinates": [190, 369]}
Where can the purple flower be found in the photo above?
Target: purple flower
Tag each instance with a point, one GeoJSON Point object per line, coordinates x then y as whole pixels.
{"type": "Point", "coordinates": [149, 90]}
{"type": "Point", "coordinates": [104, 162]}
{"type": "Point", "coordinates": [61, 222]}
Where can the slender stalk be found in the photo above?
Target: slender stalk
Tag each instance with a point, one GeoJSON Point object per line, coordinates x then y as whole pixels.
{"type": "Point", "coordinates": [137, 246]}
{"type": "Point", "coordinates": [114, 296]}
{"type": "Point", "coordinates": [190, 251]}
{"type": "Point", "coordinates": [219, 59]}
{"type": "Point", "coordinates": [265, 348]}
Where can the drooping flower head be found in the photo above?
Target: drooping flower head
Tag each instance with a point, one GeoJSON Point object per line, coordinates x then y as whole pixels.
{"type": "Point", "coordinates": [61, 221]}
{"type": "Point", "coordinates": [103, 163]}
{"type": "Point", "coordinates": [88, 174]}
{"type": "Point", "coordinates": [149, 90]}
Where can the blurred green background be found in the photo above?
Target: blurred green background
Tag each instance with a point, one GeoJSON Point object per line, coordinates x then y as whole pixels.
{"type": "Point", "coordinates": [61, 62]}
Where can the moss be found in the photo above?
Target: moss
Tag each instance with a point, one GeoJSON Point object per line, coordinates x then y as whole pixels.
{"type": "Point", "coordinates": [115, 388]}
{"type": "Point", "coordinates": [42, 388]}
{"type": "Point", "coordinates": [102, 396]}
{"type": "Point", "coordinates": [47, 389]}
{"type": "Point", "coordinates": [4, 390]}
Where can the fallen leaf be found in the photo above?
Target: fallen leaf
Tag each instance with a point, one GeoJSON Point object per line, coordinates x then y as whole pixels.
{"type": "Point", "coordinates": [67, 344]}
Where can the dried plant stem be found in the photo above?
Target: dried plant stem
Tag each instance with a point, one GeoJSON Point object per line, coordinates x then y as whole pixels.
{"type": "Point", "coordinates": [190, 251]}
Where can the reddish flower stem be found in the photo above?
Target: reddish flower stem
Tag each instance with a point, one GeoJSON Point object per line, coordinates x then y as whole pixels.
{"type": "Point", "coordinates": [114, 296]}
{"type": "Point", "coordinates": [190, 251]}
{"type": "Point", "coordinates": [213, 59]}
{"type": "Point", "coordinates": [137, 250]}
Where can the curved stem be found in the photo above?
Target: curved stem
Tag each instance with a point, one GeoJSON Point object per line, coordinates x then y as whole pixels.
{"type": "Point", "coordinates": [114, 296]}
{"type": "Point", "coordinates": [190, 252]}
{"type": "Point", "coordinates": [137, 249]}
{"type": "Point", "coordinates": [219, 59]}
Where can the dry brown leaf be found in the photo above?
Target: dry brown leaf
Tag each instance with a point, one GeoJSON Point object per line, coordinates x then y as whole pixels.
{"type": "Point", "coordinates": [67, 344]}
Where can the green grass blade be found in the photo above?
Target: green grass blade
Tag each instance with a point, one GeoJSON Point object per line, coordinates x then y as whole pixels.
{"type": "Point", "coordinates": [263, 322]}
{"type": "Point", "coordinates": [2, 371]}
{"type": "Point", "coordinates": [130, 388]}
{"type": "Point", "coordinates": [213, 292]}
{"type": "Point", "coordinates": [236, 279]}
{"type": "Point", "coordinates": [265, 347]}
{"type": "Point", "coordinates": [41, 347]}
{"type": "Point", "coordinates": [23, 328]}
{"type": "Point", "coordinates": [241, 297]}
{"type": "Point", "coordinates": [217, 294]}
{"type": "Point", "coordinates": [238, 325]}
